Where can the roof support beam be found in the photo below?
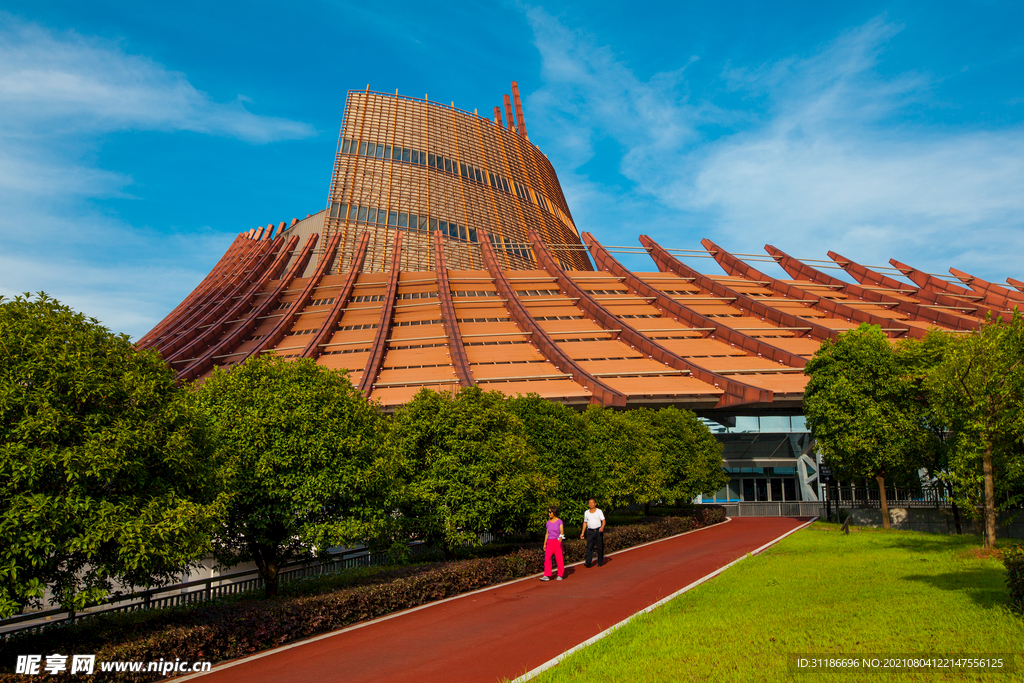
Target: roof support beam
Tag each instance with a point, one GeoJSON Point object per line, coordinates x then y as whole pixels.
{"type": "Point", "coordinates": [200, 289]}
{"type": "Point", "coordinates": [800, 270]}
{"type": "Point", "coordinates": [241, 330]}
{"type": "Point", "coordinates": [670, 264]}
{"type": "Point", "coordinates": [387, 317]}
{"type": "Point", "coordinates": [1016, 283]}
{"type": "Point", "coordinates": [930, 282]}
{"type": "Point", "coordinates": [226, 280]}
{"type": "Point", "coordinates": [995, 294]}
{"type": "Point", "coordinates": [288, 319]}
{"type": "Point", "coordinates": [601, 393]}
{"type": "Point", "coordinates": [866, 276]}
{"type": "Point", "coordinates": [451, 324]}
{"type": "Point", "coordinates": [315, 346]}
{"type": "Point", "coordinates": [734, 266]}
{"type": "Point", "coordinates": [736, 393]}
{"type": "Point", "coordinates": [678, 310]}
{"type": "Point", "coordinates": [245, 287]}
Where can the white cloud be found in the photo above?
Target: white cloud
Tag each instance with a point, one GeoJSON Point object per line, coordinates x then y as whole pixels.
{"type": "Point", "coordinates": [828, 156]}
{"type": "Point", "coordinates": [70, 82]}
{"type": "Point", "coordinates": [60, 94]}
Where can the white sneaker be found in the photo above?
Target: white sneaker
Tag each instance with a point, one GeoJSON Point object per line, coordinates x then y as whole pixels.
{"type": "Point", "coordinates": [545, 578]}
{"type": "Point", "coordinates": [559, 578]}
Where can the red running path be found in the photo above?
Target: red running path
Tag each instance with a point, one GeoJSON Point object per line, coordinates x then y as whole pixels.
{"type": "Point", "coordinates": [507, 630]}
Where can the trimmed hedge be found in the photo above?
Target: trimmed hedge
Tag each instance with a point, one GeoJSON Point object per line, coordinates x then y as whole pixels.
{"type": "Point", "coordinates": [1013, 558]}
{"type": "Point", "coordinates": [235, 628]}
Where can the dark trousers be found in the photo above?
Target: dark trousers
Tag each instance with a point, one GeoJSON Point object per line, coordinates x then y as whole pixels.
{"type": "Point", "coordinates": [595, 538]}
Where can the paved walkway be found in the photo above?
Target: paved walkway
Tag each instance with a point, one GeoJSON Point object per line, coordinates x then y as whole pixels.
{"type": "Point", "coordinates": [505, 631]}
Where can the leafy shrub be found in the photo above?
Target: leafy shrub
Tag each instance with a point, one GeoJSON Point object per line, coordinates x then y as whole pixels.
{"type": "Point", "coordinates": [237, 628]}
{"type": "Point", "coordinates": [1013, 558]}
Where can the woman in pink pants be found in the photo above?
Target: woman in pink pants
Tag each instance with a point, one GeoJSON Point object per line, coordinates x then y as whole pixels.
{"type": "Point", "coordinates": [553, 544]}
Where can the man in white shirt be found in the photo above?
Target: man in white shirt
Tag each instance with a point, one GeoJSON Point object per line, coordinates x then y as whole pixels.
{"type": "Point", "coordinates": [593, 531]}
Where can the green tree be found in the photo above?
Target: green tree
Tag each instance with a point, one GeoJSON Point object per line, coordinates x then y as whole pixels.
{"type": "Point", "coordinates": [861, 409]}
{"type": "Point", "coordinates": [301, 460]}
{"type": "Point", "coordinates": [468, 467]}
{"type": "Point", "coordinates": [555, 432]}
{"type": "Point", "coordinates": [626, 456]}
{"type": "Point", "coordinates": [937, 447]}
{"type": "Point", "coordinates": [978, 391]}
{"type": "Point", "coordinates": [691, 456]}
{"type": "Point", "coordinates": [104, 474]}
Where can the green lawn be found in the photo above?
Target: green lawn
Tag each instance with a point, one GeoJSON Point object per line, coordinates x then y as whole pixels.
{"type": "Point", "coordinates": [823, 593]}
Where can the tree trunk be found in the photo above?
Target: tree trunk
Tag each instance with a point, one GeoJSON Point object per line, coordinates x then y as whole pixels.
{"type": "Point", "coordinates": [269, 574]}
{"type": "Point", "coordinates": [990, 497]}
{"type": "Point", "coordinates": [883, 502]}
{"type": "Point", "coordinates": [265, 558]}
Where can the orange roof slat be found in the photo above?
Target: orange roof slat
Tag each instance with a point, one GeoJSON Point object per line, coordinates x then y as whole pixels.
{"type": "Point", "coordinates": [780, 384]}
{"type": "Point", "coordinates": [679, 385]}
{"type": "Point", "coordinates": [799, 345]}
{"type": "Point", "coordinates": [489, 371]}
{"type": "Point", "coordinates": [549, 388]}
{"type": "Point", "coordinates": [508, 352]}
{"type": "Point", "coordinates": [355, 362]}
{"type": "Point", "coordinates": [599, 349]}
{"type": "Point", "coordinates": [720, 364]}
{"type": "Point", "coordinates": [430, 355]}
{"type": "Point", "coordinates": [700, 347]}
{"type": "Point", "coordinates": [599, 367]}
{"type": "Point", "coordinates": [416, 375]}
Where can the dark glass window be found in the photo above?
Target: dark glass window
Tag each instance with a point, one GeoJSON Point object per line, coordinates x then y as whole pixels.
{"type": "Point", "coordinates": [413, 221]}
{"type": "Point", "coordinates": [393, 218]}
{"type": "Point", "coordinates": [448, 165]}
{"type": "Point", "coordinates": [423, 158]}
{"type": "Point", "coordinates": [472, 235]}
{"type": "Point", "coordinates": [505, 185]}
{"type": "Point", "coordinates": [352, 211]}
{"type": "Point", "coordinates": [789, 486]}
{"type": "Point", "coordinates": [344, 146]}
{"type": "Point", "coordinates": [762, 489]}
{"type": "Point", "coordinates": [430, 159]}
{"type": "Point", "coordinates": [462, 233]}
{"type": "Point", "coordinates": [415, 157]}
{"type": "Point", "coordinates": [403, 219]}
{"type": "Point", "coordinates": [371, 149]}
{"type": "Point", "coordinates": [479, 176]}
{"type": "Point", "coordinates": [387, 151]}
{"type": "Point", "coordinates": [444, 226]}
{"type": "Point", "coordinates": [362, 213]}
{"type": "Point", "coordinates": [453, 231]}
{"type": "Point", "coordinates": [362, 148]}
{"type": "Point", "coordinates": [433, 223]}
{"type": "Point", "coordinates": [464, 170]}
{"type": "Point", "coordinates": [405, 154]}
{"type": "Point", "coordinates": [748, 490]}
{"type": "Point", "coordinates": [380, 151]}
{"type": "Point", "coordinates": [382, 216]}
{"type": "Point", "coordinates": [490, 177]}
{"type": "Point", "coordinates": [423, 223]}
{"type": "Point", "coordinates": [776, 489]}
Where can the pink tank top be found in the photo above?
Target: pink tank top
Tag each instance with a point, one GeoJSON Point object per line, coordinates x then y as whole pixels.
{"type": "Point", "coordinates": [553, 525]}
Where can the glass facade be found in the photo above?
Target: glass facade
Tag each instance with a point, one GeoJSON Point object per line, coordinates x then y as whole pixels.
{"type": "Point", "coordinates": [411, 165]}
{"type": "Point", "coordinates": [761, 454]}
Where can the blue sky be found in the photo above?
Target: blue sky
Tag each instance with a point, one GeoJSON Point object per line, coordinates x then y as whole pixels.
{"type": "Point", "coordinates": [136, 140]}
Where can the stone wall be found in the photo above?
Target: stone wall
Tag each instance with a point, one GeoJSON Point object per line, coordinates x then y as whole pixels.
{"type": "Point", "coordinates": [938, 521]}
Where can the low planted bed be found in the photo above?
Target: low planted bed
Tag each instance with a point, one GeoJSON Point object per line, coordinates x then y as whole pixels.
{"type": "Point", "coordinates": [242, 625]}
